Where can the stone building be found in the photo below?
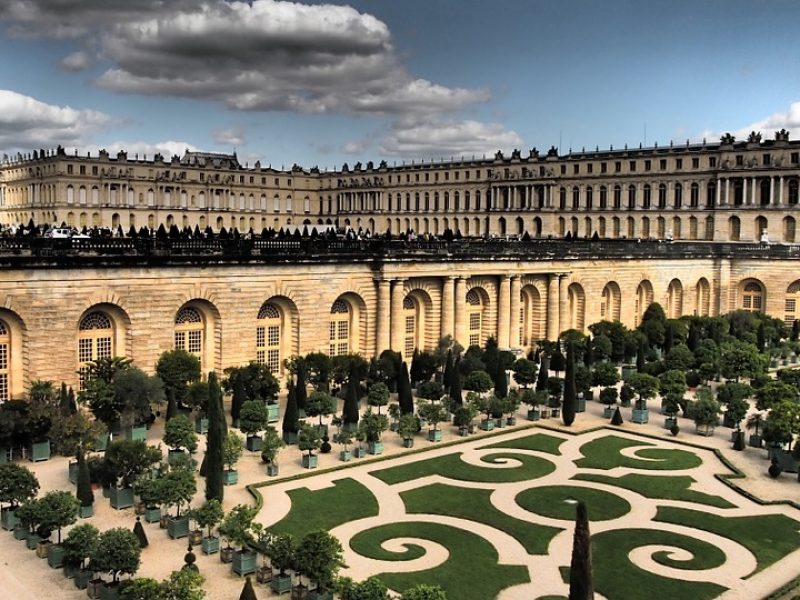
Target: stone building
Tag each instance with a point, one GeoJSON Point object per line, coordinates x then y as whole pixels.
{"type": "Point", "coordinates": [66, 302]}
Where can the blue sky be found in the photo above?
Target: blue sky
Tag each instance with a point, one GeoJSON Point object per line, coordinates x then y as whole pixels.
{"type": "Point", "coordinates": [321, 84]}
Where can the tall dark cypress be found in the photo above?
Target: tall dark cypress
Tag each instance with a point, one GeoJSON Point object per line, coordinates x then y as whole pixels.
{"type": "Point", "coordinates": [291, 415]}
{"type": "Point", "coordinates": [580, 568]}
{"type": "Point", "coordinates": [238, 398]}
{"type": "Point", "coordinates": [588, 354]}
{"type": "Point", "coordinates": [172, 405]}
{"type": "Point", "coordinates": [570, 393]}
{"type": "Point", "coordinates": [456, 386]}
{"type": "Point", "coordinates": [300, 391]}
{"type": "Point", "coordinates": [404, 397]}
{"type": "Point", "coordinates": [447, 376]}
{"type": "Point", "coordinates": [84, 483]}
{"type": "Point", "coordinates": [350, 409]}
{"type": "Point", "coordinates": [693, 340]}
{"type": "Point", "coordinates": [640, 355]}
{"type": "Point", "coordinates": [544, 373]}
{"type": "Point", "coordinates": [217, 430]}
{"type": "Point", "coordinates": [500, 381]}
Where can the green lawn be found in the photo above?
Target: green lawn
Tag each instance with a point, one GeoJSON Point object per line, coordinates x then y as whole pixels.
{"type": "Point", "coordinates": [552, 501]}
{"type": "Point", "coordinates": [768, 537]}
{"type": "Point", "coordinates": [538, 441]}
{"type": "Point", "coordinates": [659, 487]}
{"type": "Point", "coordinates": [475, 505]}
{"type": "Point", "coordinates": [471, 571]}
{"type": "Point", "coordinates": [452, 467]}
{"type": "Point", "coordinates": [604, 453]}
{"type": "Point", "coordinates": [616, 577]}
{"type": "Point", "coordinates": [327, 508]}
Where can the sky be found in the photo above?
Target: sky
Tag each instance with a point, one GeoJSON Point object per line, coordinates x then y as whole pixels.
{"type": "Point", "coordinates": [320, 84]}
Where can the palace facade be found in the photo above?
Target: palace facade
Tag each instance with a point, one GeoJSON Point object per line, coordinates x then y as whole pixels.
{"type": "Point", "coordinates": [64, 303]}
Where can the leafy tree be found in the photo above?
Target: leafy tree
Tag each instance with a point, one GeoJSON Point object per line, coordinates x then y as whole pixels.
{"type": "Point", "coordinates": [177, 369]}
{"type": "Point", "coordinates": [424, 591]}
{"type": "Point", "coordinates": [208, 516]}
{"type": "Point", "coordinates": [774, 392]}
{"type": "Point", "coordinates": [72, 431]}
{"type": "Point", "coordinates": [608, 396]}
{"type": "Point", "coordinates": [319, 370]}
{"type": "Point", "coordinates": [433, 412]}
{"type": "Point", "coordinates": [740, 359]}
{"type": "Point", "coordinates": [178, 488]}
{"type": "Point", "coordinates": [525, 372]}
{"type": "Point", "coordinates": [291, 417]}
{"type": "Point", "coordinates": [672, 387]}
{"type": "Point", "coordinates": [271, 444]}
{"type": "Point", "coordinates": [580, 568]}
{"type": "Point", "coordinates": [389, 364]}
{"type": "Point", "coordinates": [232, 449]}
{"type": "Point", "coordinates": [706, 408]}
{"type": "Point", "coordinates": [557, 361]}
{"type": "Point", "coordinates": [373, 424]}
{"type": "Point", "coordinates": [615, 332]}
{"type": "Point", "coordinates": [217, 432]}
{"type": "Point", "coordinates": [783, 422]}
{"type": "Point", "coordinates": [645, 386]}
{"type": "Point", "coordinates": [350, 408]}
{"type": "Point", "coordinates": [237, 527]}
{"type": "Point", "coordinates": [378, 396]}
{"type": "Point", "coordinates": [117, 552]}
{"type": "Point", "coordinates": [680, 358]}
{"type": "Point", "coordinates": [430, 390]}
{"type": "Point", "coordinates": [58, 509]}
{"type": "Point", "coordinates": [128, 459]}
{"type": "Point", "coordinates": [472, 361]}
{"type": "Point", "coordinates": [320, 404]}
{"type": "Point", "coordinates": [179, 434]}
{"type": "Point", "coordinates": [654, 324]}
{"type": "Point", "coordinates": [423, 366]}
{"type": "Point", "coordinates": [197, 397]}
{"type": "Point", "coordinates": [605, 374]}
{"type": "Point", "coordinates": [281, 550]}
{"type": "Point", "coordinates": [602, 348]}
{"type": "Point", "coordinates": [134, 392]}
{"type": "Point", "coordinates": [309, 439]}
{"type": "Point", "coordinates": [544, 368]}
{"type": "Point", "coordinates": [369, 589]}
{"type": "Point", "coordinates": [253, 417]}
{"type": "Point", "coordinates": [140, 588]}
{"type": "Point", "coordinates": [80, 543]}
{"type": "Point", "coordinates": [570, 391]}
{"type": "Point", "coordinates": [555, 387]}
{"type": "Point", "coordinates": [319, 556]}
{"type": "Point", "coordinates": [478, 381]}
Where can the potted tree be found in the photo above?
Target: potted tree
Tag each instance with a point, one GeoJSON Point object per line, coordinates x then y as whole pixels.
{"type": "Point", "coordinates": [151, 495]}
{"type": "Point", "coordinates": [209, 516]}
{"type": "Point", "coordinates": [373, 424]}
{"type": "Point", "coordinates": [481, 404]}
{"type": "Point", "coordinates": [319, 557]}
{"type": "Point", "coordinates": [17, 485]}
{"type": "Point", "coordinates": [555, 388]}
{"type": "Point", "coordinates": [608, 396]}
{"type": "Point", "coordinates": [360, 436]}
{"type": "Point", "coordinates": [125, 461]}
{"type": "Point", "coordinates": [626, 395]}
{"type": "Point", "coordinates": [646, 387]}
{"type": "Point", "coordinates": [320, 404]}
{"type": "Point", "coordinates": [179, 487]}
{"type": "Point", "coordinates": [511, 406]}
{"type": "Point", "coordinates": [197, 400]}
{"type": "Point", "coordinates": [272, 443]}
{"type": "Point", "coordinates": [309, 441]}
{"type": "Point", "coordinates": [434, 413]}
{"type": "Point", "coordinates": [672, 388]}
{"type": "Point", "coordinates": [84, 490]}
{"type": "Point", "coordinates": [78, 546]}
{"type": "Point", "coordinates": [754, 423]}
{"type": "Point", "coordinates": [705, 412]}
{"type": "Point", "coordinates": [238, 529]}
{"type": "Point", "coordinates": [345, 438]}
{"type": "Point", "coordinates": [180, 437]}
{"type": "Point", "coordinates": [232, 449]}
{"type": "Point", "coordinates": [59, 509]}
{"type": "Point", "coordinates": [117, 552]}
{"type": "Point", "coordinates": [407, 428]}
{"type": "Point", "coordinates": [736, 410]}
{"type": "Point", "coordinates": [462, 418]}
{"type": "Point", "coordinates": [394, 416]}
{"type": "Point", "coordinates": [253, 418]}
{"type": "Point", "coordinates": [281, 551]}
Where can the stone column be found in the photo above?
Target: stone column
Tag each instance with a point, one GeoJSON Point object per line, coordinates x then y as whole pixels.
{"type": "Point", "coordinates": [780, 191]}
{"type": "Point", "coordinates": [460, 311]}
{"type": "Point", "coordinates": [398, 323]}
{"type": "Point", "coordinates": [718, 189]}
{"type": "Point", "coordinates": [552, 306]}
{"type": "Point", "coordinates": [745, 198]}
{"type": "Point", "coordinates": [727, 191]}
{"type": "Point", "coordinates": [503, 311]}
{"type": "Point", "coordinates": [384, 315]}
{"type": "Point", "coordinates": [448, 291]}
{"type": "Point", "coordinates": [563, 303]}
{"type": "Point", "coordinates": [772, 190]}
{"type": "Point", "coordinates": [752, 191]}
{"type": "Point", "coordinates": [515, 305]}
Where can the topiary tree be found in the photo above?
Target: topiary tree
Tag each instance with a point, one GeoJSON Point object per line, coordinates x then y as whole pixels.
{"type": "Point", "coordinates": [608, 396]}
{"type": "Point", "coordinates": [128, 459]}
{"type": "Point", "coordinates": [177, 369]}
{"type": "Point", "coordinates": [320, 404]}
{"type": "Point", "coordinates": [178, 487]}
{"type": "Point", "coordinates": [253, 418]}
{"type": "Point", "coordinates": [645, 386]}
{"type": "Point", "coordinates": [208, 516]}
{"type": "Point", "coordinates": [672, 387]}
{"type": "Point", "coordinates": [117, 552]}
{"type": "Point", "coordinates": [580, 569]}
{"type": "Point", "coordinates": [281, 551]}
{"type": "Point", "coordinates": [84, 491]}
{"type": "Point", "coordinates": [232, 449]}
{"type": "Point", "coordinates": [404, 395]}
{"type": "Point", "coordinates": [479, 382]}
{"type": "Point", "coordinates": [217, 432]}
{"type": "Point", "coordinates": [350, 408]}
{"type": "Point", "coordinates": [248, 593]}
{"type": "Point", "coordinates": [58, 509]}
{"type": "Point", "coordinates": [17, 484]}
{"type": "Point", "coordinates": [291, 417]}
{"type": "Point", "coordinates": [525, 372]}
{"type": "Point", "coordinates": [80, 544]}
{"type": "Point", "coordinates": [237, 526]}
{"type": "Point", "coordinates": [309, 439]}
{"type": "Point", "coordinates": [179, 434]}
{"type": "Point", "coordinates": [319, 556]}
{"type": "Point", "coordinates": [570, 391]}
{"type": "Point", "coordinates": [378, 395]}
{"type": "Point", "coordinates": [424, 591]}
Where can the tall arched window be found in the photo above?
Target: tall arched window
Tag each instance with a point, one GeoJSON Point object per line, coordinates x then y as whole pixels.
{"type": "Point", "coordinates": [339, 329]}
{"type": "Point", "coordinates": [752, 297]}
{"type": "Point", "coordinates": [189, 329]}
{"type": "Point", "coordinates": [610, 302]}
{"type": "Point", "coordinates": [577, 306]}
{"type": "Point", "coordinates": [95, 340]}
{"type": "Point", "coordinates": [644, 298]}
{"type": "Point", "coordinates": [410, 321]}
{"type": "Point", "coordinates": [792, 297]}
{"type": "Point", "coordinates": [789, 229]}
{"type": "Point", "coordinates": [674, 299]}
{"type": "Point", "coordinates": [734, 228]}
{"type": "Point", "coordinates": [703, 299]}
{"type": "Point", "coordinates": [268, 337]}
{"type": "Point", "coordinates": [474, 318]}
{"type": "Point", "coordinates": [5, 362]}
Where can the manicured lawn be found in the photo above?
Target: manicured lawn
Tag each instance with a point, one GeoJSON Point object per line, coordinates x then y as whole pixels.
{"type": "Point", "coordinates": [475, 505]}
{"type": "Point", "coordinates": [552, 501]}
{"type": "Point", "coordinates": [327, 508]}
{"type": "Point", "coordinates": [768, 537]}
{"type": "Point", "coordinates": [616, 577]}
{"type": "Point", "coordinates": [604, 453]}
{"type": "Point", "coordinates": [538, 441]}
{"type": "Point", "coordinates": [666, 487]}
{"type": "Point", "coordinates": [453, 467]}
{"type": "Point", "coordinates": [471, 571]}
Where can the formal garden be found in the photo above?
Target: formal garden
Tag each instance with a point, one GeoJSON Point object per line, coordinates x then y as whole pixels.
{"type": "Point", "coordinates": [456, 474]}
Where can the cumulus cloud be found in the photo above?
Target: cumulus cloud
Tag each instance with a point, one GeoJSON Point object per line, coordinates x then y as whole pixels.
{"type": "Point", "coordinates": [433, 138]}
{"type": "Point", "coordinates": [233, 136]}
{"type": "Point", "coordinates": [788, 119]}
{"type": "Point", "coordinates": [259, 55]}
{"type": "Point", "coordinates": [166, 148]}
{"type": "Point", "coordinates": [75, 62]}
{"type": "Point", "coordinates": [27, 123]}
{"type": "Point", "coordinates": [355, 147]}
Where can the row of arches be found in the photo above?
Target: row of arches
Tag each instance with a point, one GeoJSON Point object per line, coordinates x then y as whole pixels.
{"type": "Point", "coordinates": [761, 227]}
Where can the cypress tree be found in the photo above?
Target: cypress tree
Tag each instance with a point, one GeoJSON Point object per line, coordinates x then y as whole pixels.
{"type": "Point", "coordinates": [447, 376]}
{"type": "Point", "coordinates": [217, 431]}
{"type": "Point", "coordinates": [172, 405]}
{"type": "Point", "coordinates": [570, 393]}
{"type": "Point", "coordinates": [84, 491]}
{"type": "Point", "coordinates": [795, 330]}
{"type": "Point", "coordinates": [238, 398]}
{"type": "Point", "coordinates": [544, 373]}
{"type": "Point", "coordinates": [456, 386]}
{"type": "Point", "coordinates": [761, 337]}
{"type": "Point", "coordinates": [404, 397]}
{"type": "Point", "coordinates": [588, 355]}
{"type": "Point", "coordinates": [248, 593]}
{"type": "Point", "coordinates": [640, 355]}
{"type": "Point", "coordinates": [291, 416]}
{"type": "Point", "coordinates": [301, 394]}
{"type": "Point", "coordinates": [350, 409]}
{"type": "Point", "coordinates": [415, 373]}
{"type": "Point", "coordinates": [500, 381]}
{"type": "Point", "coordinates": [693, 340]}
{"type": "Point", "coordinates": [580, 568]}
{"type": "Point", "coordinates": [669, 338]}
{"type": "Point", "coordinates": [73, 405]}
{"type": "Point", "coordinates": [617, 418]}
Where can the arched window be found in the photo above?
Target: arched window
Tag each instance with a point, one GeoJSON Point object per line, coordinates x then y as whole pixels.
{"type": "Point", "coordinates": [268, 337]}
{"type": "Point", "coordinates": [339, 329]}
{"type": "Point", "coordinates": [410, 321]}
{"type": "Point", "coordinates": [530, 316]}
{"type": "Point", "coordinates": [789, 229]}
{"type": "Point", "coordinates": [603, 197]}
{"type": "Point", "coordinates": [662, 195]}
{"type": "Point", "coordinates": [678, 200]}
{"type": "Point", "coordinates": [646, 196]}
{"type": "Point", "coordinates": [95, 341]}
{"type": "Point", "coordinates": [577, 306]}
{"type": "Point", "coordinates": [752, 297]}
{"type": "Point", "coordinates": [474, 318]}
{"type": "Point", "coordinates": [610, 302]}
{"type": "Point", "coordinates": [631, 196]}
{"type": "Point", "coordinates": [617, 196]}
{"type": "Point", "coordinates": [792, 297]}
{"type": "Point", "coordinates": [674, 299]}
{"type": "Point", "coordinates": [189, 329]}
{"type": "Point", "coordinates": [761, 227]}
{"type": "Point", "coordinates": [589, 197]}
{"type": "Point", "coordinates": [694, 195]}
{"type": "Point", "coordinates": [644, 298]}
{"type": "Point", "coordinates": [734, 228]}
{"type": "Point", "coordinates": [703, 298]}
{"type": "Point", "coordinates": [5, 362]}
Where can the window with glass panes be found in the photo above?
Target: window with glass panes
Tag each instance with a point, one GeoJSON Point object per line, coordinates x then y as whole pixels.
{"type": "Point", "coordinates": [95, 340]}
{"type": "Point", "coordinates": [189, 329]}
{"type": "Point", "coordinates": [339, 326]}
{"type": "Point", "coordinates": [5, 375]}
{"type": "Point", "coordinates": [410, 319]}
{"type": "Point", "coordinates": [792, 294]}
{"type": "Point", "coordinates": [752, 297]}
{"type": "Point", "coordinates": [474, 313]}
{"type": "Point", "coordinates": [268, 337]}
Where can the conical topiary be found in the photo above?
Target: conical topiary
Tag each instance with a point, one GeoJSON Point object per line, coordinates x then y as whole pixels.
{"type": "Point", "coordinates": [291, 416]}
{"type": "Point", "coordinates": [217, 430]}
{"type": "Point", "coordinates": [350, 409]}
{"type": "Point", "coordinates": [570, 393]}
{"type": "Point", "coordinates": [580, 568]}
{"type": "Point", "coordinates": [84, 491]}
{"type": "Point", "coordinates": [500, 381]}
{"type": "Point", "coordinates": [456, 385]}
{"type": "Point", "coordinates": [248, 593]}
{"type": "Point", "coordinates": [237, 399]}
{"type": "Point", "coordinates": [404, 397]}
{"type": "Point", "coordinates": [544, 373]}
{"type": "Point", "coordinates": [138, 531]}
{"type": "Point", "coordinates": [172, 405]}
{"type": "Point", "coordinates": [300, 388]}
{"type": "Point", "coordinates": [617, 418]}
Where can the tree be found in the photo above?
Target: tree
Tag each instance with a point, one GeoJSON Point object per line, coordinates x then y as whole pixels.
{"type": "Point", "coordinates": [177, 369]}
{"type": "Point", "coordinates": [300, 386]}
{"type": "Point", "coordinates": [369, 589]}
{"type": "Point", "coordinates": [208, 516]}
{"type": "Point", "coordinates": [58, 509]}
{"type": "Point", "coordinates": [179, 434]}
{"type": "Point", "coordinates": [238, 398]}
{"type": "Point", "coordinates": [319, 556]}
{"type": "Point", "coordinates": [433, 412]}
{"type": "Point", "coordinates": [672, 387]}
{"type": "Point", "coordinates": [281, 551]}
{"type": "Point", "coordinates": [500, 381]}
{"type": "Point", "coordinates": [645, 386]}
{"type": "Point", "coordinates": [373, 424]}
{"type": "Point", "coordinates": [232, 449]}
{"type": "Point", "coordinates": [424, 591]}
{"type": "Point", "coordinates": [740, 359]}
{"type": "Point", "coordinates": [580, 569]}
{"type": "Point", "coordinates": [605, 375]}
{"type": "Point", "coordinates": [679, 358]}
{"type": "Point", "coordinates": [544, 370]}
{"type": "Point", "coordinates": [318, 366]}
{"type": "Point", "coordinates": [84, 491]}
{"type": "Point", "coordinates": [134, 393]}
{"type": "Point", "coordinates": [253, 418]}
{"type": "Point", "coordinates": [378, 396]}
{"type": "Point", "coordinates": [80, 544]}
{"type": "Point", "coordinates": [17, 484]}
{"type": "Point", "coordinates": [654, 325]}
{"type": "Point", "coordinates": [478, 381]}
{"type": "Point", "coordinates": [217, 432]}
{"type": "Point", "coordinates": [602, 347]}
{"type": "Point", "coordinates": [557, 361]}
{"type": "Point", "coordinates": [127, 459]}
{"type": "Point", "coordinates": [237, 527]}
{"type": "Point", "coordinates": [320, 404]}
{"type": "Point", "coordinates": [271, 444]}
{"type": "Point", "coordinates": [178, 487]}
{"type": "Point", "coordinates": [248, 593]}
{"type": "Point", "coordinates": [456, 384]}
{"type": "Point", "coordinates": [404, 395]}
{"type": "Point", "coordinates": [570, 391]}
{"type": "Point", "coordinates": [309, 439]}
{"type": "Point", "coordinates": [525, 372]}
{"type": "Point", "coordinates": [117, 552]}
{"type": "Point", "coordinates": [773, 393]}
{"type": "Point", "coordinates": [291, 416]}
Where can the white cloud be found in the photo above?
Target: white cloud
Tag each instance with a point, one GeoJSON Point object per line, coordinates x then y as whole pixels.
{"type": "Point", "coordinates": [788, 119]}
{"type": "Point", "coordinates": [233, 136]}
{"type": "Point", "coordinates": [167, 148]}
{"type": "Point", "coordinates": [435, 139]}
{"type": "Point", "coordinates": [26, 123]}
{"type": "Point", "coordinates": [75, 62]}
{"type": "Point", "coordinates": [355, 147]}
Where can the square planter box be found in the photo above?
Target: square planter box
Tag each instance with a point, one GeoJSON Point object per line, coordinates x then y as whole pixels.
{"type": "Point", "coordinates": [43, 548]}
{"type": "Point", "coordinates": [120, 497]}
{"type": "Point", "coordinates": [264, 574]}
{"type": "Point", "coordinates": [8, 518]}
{"type": "Point", "coordinates": [756, 441]}
{"type": "Point", "coordinates": [408, 443]}
{"type": "Point", "coordinates": [290, 437]}
{"type": "Point", "coordinates": [322, 429]}
{"type": "Point", "coordinates": [210, 545]}
{"type": "Point", "coordinates": [101, 443]}
{"type": "Point", "coordinates": [435, 435]}
{"type": "Point", "coordinates": [152, 515]}
{"type": "Point", "coordinates": [310, 462]}
{"type": "Point", "coordinates": [360, 452]}
{"type": "Point", "coordinates": [581, 404]}
{"type": "Point", "coordinates": [84, 512]}
{"type": "Point", "coordinates": [254, 443]}
{"type": "Point", "coordinates": [178, 527]}
{"type": "Point", "coordinates": [136, 433]}
{"type": "Point", "coordinates": [272, 470]}
{"type": "Point", "coordinates": [555, 412]}
{"type": "Point", "coordinates": [705, 430]}
{"type": "Point", "coordinates": [109, 592]}
{"type": "Point", "coordinates": [627, 371]}
{"type": "Point", "coordinates": [93, 588]}
{"type": "Point", "coordinates": [201, 425]}
{"type": "Point", "coordinates": [640, 415]}
{"type": "Point", "coordinates": [281, 584]}
{"type": "Point", "coordinates": [511, 421]}
{"type": "Point", "coordinates": [317, 595]}
{"type": "Point", "coordinates": [82, 579]}
{"type": "Point", "coordinates": [608, 412]}
{"type": "Point", "coordinates": [669, 422]}
{"type": "Point", "coordinates": [345, 456]}
{"type": "Point", "coordinates": [175, 456]}
{"type": "Point", "coordinates": [375, 447]}
{"type": "Point", "coordinates": [244, 562]}
{"type": "Point", "coordinates": [21, 532]}
{"type": "Point", "coordinates": [32, 541]}
{"type": "Point", "coordinates": [487, 424]}
{"type": "Point", "coordinates": [55, 556]}
{"type": "Point", "coordinates": [39, 451]}
{"type": "Point", "coordinates": [534, 414]}
{"type": "Point", "coordinates": [273, 413]}
{"type": "Point", "coordinates": [69, 570]}
{"type": "Point", "coordinates": [230, 477]}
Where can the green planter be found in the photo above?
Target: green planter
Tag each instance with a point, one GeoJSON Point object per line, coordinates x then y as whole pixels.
{"type": "Point", "coordinates": [435, 435]}
{"type": "Point", "coordinates": [345, 456]}
{"type": "Point", "coordinates": [608, 412]}
{"type": "Point", "coordinates": [487, 424]}
{"type": "Point", "coordinates": [8, 518]}
{"type": "Point", "coordinates": [32, 541]}
{"type": "Point", "coordinates": [70, 570]}
{"type": "Point", "coordinates": [290, 437]}
{"type": "Point", "coordinates": [375, 447]}
{"type": "Point", "coordinates": [581, 404]}
{"type": "Point", "coordinates": [244, 562]}
{"type": "Point", "coordinates": [310, 461]}
{"type": "Point", "coordinates": [101, 443]}
{"type": "Point", "coordinates": [463, 431]}
{"type": "Point", "coordinates": [93, 588]}
{"type": "Point", "coordinates": [21, 532]}
{"type": "Point", "coordinates": [152, 515]}
{"type": "Point", "coordinates": [281, 584]}
{"type": "Point", "coordinates": [640, 415]}
{"type": "Point", "coordinates": [84, 512]}
{"type": "Point", "coordinates": [138, 433]}
{"type": "Point", "coordinates": [201, 425]}
{"type": "Point", "coordinates": [318, 595]}
{"type": "Point", "coordinates": [322, 429]}
{"type": "Point", "coordinates": [230, 476]}
{"type": "Point", "coordinates": [82, 579]}
{"type": "Point", "coordinates": [39, 451]}
{"type": "Point", "coordinates": [360, 452]}
{"type": "Point", "coordinates": [499, 422]}
{"type": "Point", "coordinates": [408, 442]}
{"type": "Point", "coordinates": [705, 429]}
{"type": "Point", "coordinates": [175, 456]}
{"type": "Point", "coordinates": [627, 371]}
{"type": "Point", "coordinates": [120, 497]}
{"type": "Point", "coordinates": [210, 545]}
{"type": "Point", "coordinates": [534, 414]}
{"type": "Point", "coordinates": [55, 556]}
{"type": "Point", "coordinates": [756, 441]}
{"type": "Point", "coordinates": [273, 413]}
{"type": "Point", "coordinates": [254, 443]}
{"type": "Point", "coordinates": [669, 422]}
{"type": "Point", "coordinates": [177, 527]}
{"type": "Point", "coordinates": [109, 591]}
{"type": "Point", "coordinates": [272, 470]}
{"type": "Point", "coordinates": [72, 471]}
